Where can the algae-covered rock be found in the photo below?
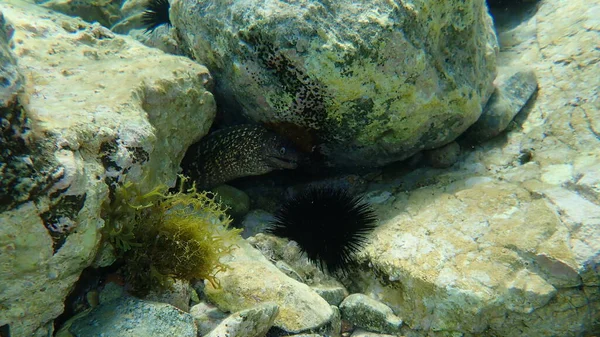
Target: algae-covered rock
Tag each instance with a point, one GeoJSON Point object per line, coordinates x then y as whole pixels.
{"type": "Point", "coordinates": [105, 12]}
{"type": "Point", "coordinates": [96, 109]}
{"type": "Point", "coordinates": [370, 314]}
{"type": "Point", "coordinates": [372, 81]}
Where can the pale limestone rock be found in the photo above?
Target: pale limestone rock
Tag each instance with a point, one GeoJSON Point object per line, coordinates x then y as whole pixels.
{"type": "Point", "coordinates": [253, 322]}
{"type": "Point", "coordinates": [469, 257]}
{"type": "Point", "coordinates": [251, 279]}
{"type": "Point", "coordinates": [97, 105]}
{"type": "Point", "coordinates": [207, 317]}
{"type": "Point", "coordinates": [363, 333]}
{"type": "Point", "coordinates": [506, 242]}
{"type": "Point", "coordinates": [288, 256]}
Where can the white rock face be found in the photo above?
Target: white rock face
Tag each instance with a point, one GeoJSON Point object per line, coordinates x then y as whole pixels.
{"type": "Point", "coordinates": [507, 242]}
{"type": "Point", "coordinates": [101, 109]}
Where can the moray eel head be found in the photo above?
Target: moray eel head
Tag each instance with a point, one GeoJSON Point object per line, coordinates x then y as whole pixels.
{"type": "Point", "coordinates": [280, 154]}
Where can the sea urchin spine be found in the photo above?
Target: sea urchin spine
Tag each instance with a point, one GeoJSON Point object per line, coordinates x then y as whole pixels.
{"type": "Point", "coordinates": [156, 14]}
{"type": "Point", "coordinates": [330, 225]}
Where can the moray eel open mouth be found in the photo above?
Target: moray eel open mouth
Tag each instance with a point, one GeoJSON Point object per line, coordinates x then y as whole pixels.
{"type": "Point", "coordinates": [282, 163]}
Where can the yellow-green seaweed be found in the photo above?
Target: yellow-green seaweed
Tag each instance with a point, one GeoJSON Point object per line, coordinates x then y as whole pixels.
{"type": "Point", "coordinates": [162, 235]}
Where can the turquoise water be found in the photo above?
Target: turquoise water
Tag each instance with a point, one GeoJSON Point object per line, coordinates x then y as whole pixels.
{"type": "Point", "coordinates": [413, 168]}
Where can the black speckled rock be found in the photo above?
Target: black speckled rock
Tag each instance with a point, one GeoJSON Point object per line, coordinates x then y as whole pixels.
{"type": "Point", "coordinates": [371, 82]}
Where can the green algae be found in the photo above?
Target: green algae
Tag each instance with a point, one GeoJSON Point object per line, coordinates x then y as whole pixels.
{"type": "Point", "coordinates": [161, 236]}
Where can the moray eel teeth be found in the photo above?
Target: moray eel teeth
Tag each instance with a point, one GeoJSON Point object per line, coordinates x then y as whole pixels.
{"type": "Point", "coordinates": [235, 152]}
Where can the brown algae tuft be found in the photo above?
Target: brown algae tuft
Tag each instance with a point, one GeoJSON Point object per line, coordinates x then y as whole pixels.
{"type": "Point", "coordinates": [161, 236]}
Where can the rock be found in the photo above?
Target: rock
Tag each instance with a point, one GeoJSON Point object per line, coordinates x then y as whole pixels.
{"type": "Point", "coordinates": [255, 222]}
{"type": "Point", "coordinates": [505, 103]}
{"type": "Point", "coordinates": [237, 201]}
{"type": "Point", "coordinates": [104, 12]}
{"type": "Point", "coordinates": [163, 38]}
{"type": "Point", "coordinates": [369, 314]}
{"type": "Point", "coordinates": [10, 79]}
{"type": "Point", "coordinates": [251, 280]}
{"type": "Point", "coordinates": [95, 106]}
{"type": "Point", "coordinates": [505, 243]}
{"type": "Point", "coordinates": [507, 4]}
{"type": "Point", "coordinates": [111, 292]}
{"type": "Point", "coordinates": [288, 257]}
{"type": "Point", "coordinates": [333, 295]}
{"type": "Point", "coordinates": [288, 270]}
{"type": "Point", "coordinates": [370, 82]}
{"type": "Point", "coordinates": [254, 322]}
{"type": "Point", "coordinates": [128, 316]}
{"type": "Point", "coordinates": [363, 333]}
{"type": "Point", "coordinates": [178, 296]}
{"type": "Point", "coordinates": [378, 197]}
{"type": "Point", "coordinates": [207, 317]}
{"type": "Point", "coordinates": [443, 157]}
{"type": "Point", "coordinates": [352, 183]}
{"type": "Point", "coordinates": [483, 257]}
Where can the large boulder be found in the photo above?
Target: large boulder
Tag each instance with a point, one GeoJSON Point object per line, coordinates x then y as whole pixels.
{"type": "Point", "coordinates": [96, 109]}
{"type": "Point", "coordinates": [371, 81]}
{"type": "Point", "coordinates": [507, 242]}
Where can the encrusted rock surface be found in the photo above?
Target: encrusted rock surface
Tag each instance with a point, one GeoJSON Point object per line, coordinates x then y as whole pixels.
{"type": "Point", "coordinates": [251, 280]}
{"type": "Point", "coordinates": [506, 102]}
{"type": "Point", "coordinates": [375, 81]}
{"type": "Point", "coordinates": [207, 317]}
{"type": "Point", "coordinates": [369, 314]}
{"type": "Point", "coordinates": [131, 317]}
{"type": "Point", "coordinates": [10, 79]}
{"type": "Point", "coordinates": [95, 109]}
{"type": "Point", "coordinates": [104, 12]}
{"type": "Point", "coordinates": [506, 242]}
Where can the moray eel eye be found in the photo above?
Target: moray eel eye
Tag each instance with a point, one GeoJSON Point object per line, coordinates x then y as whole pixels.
{"type": "Point", "coordinates": [282, 150]}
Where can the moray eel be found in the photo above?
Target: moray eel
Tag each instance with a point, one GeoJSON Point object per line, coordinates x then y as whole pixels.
{"type": "Point", "coordinates": [235, 152]}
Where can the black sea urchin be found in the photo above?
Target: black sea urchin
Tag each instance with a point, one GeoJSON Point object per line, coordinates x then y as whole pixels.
{"type": "Point", "coordinates": [156, 14]}
{"type": "Point", "coordinates": [329, 225]}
